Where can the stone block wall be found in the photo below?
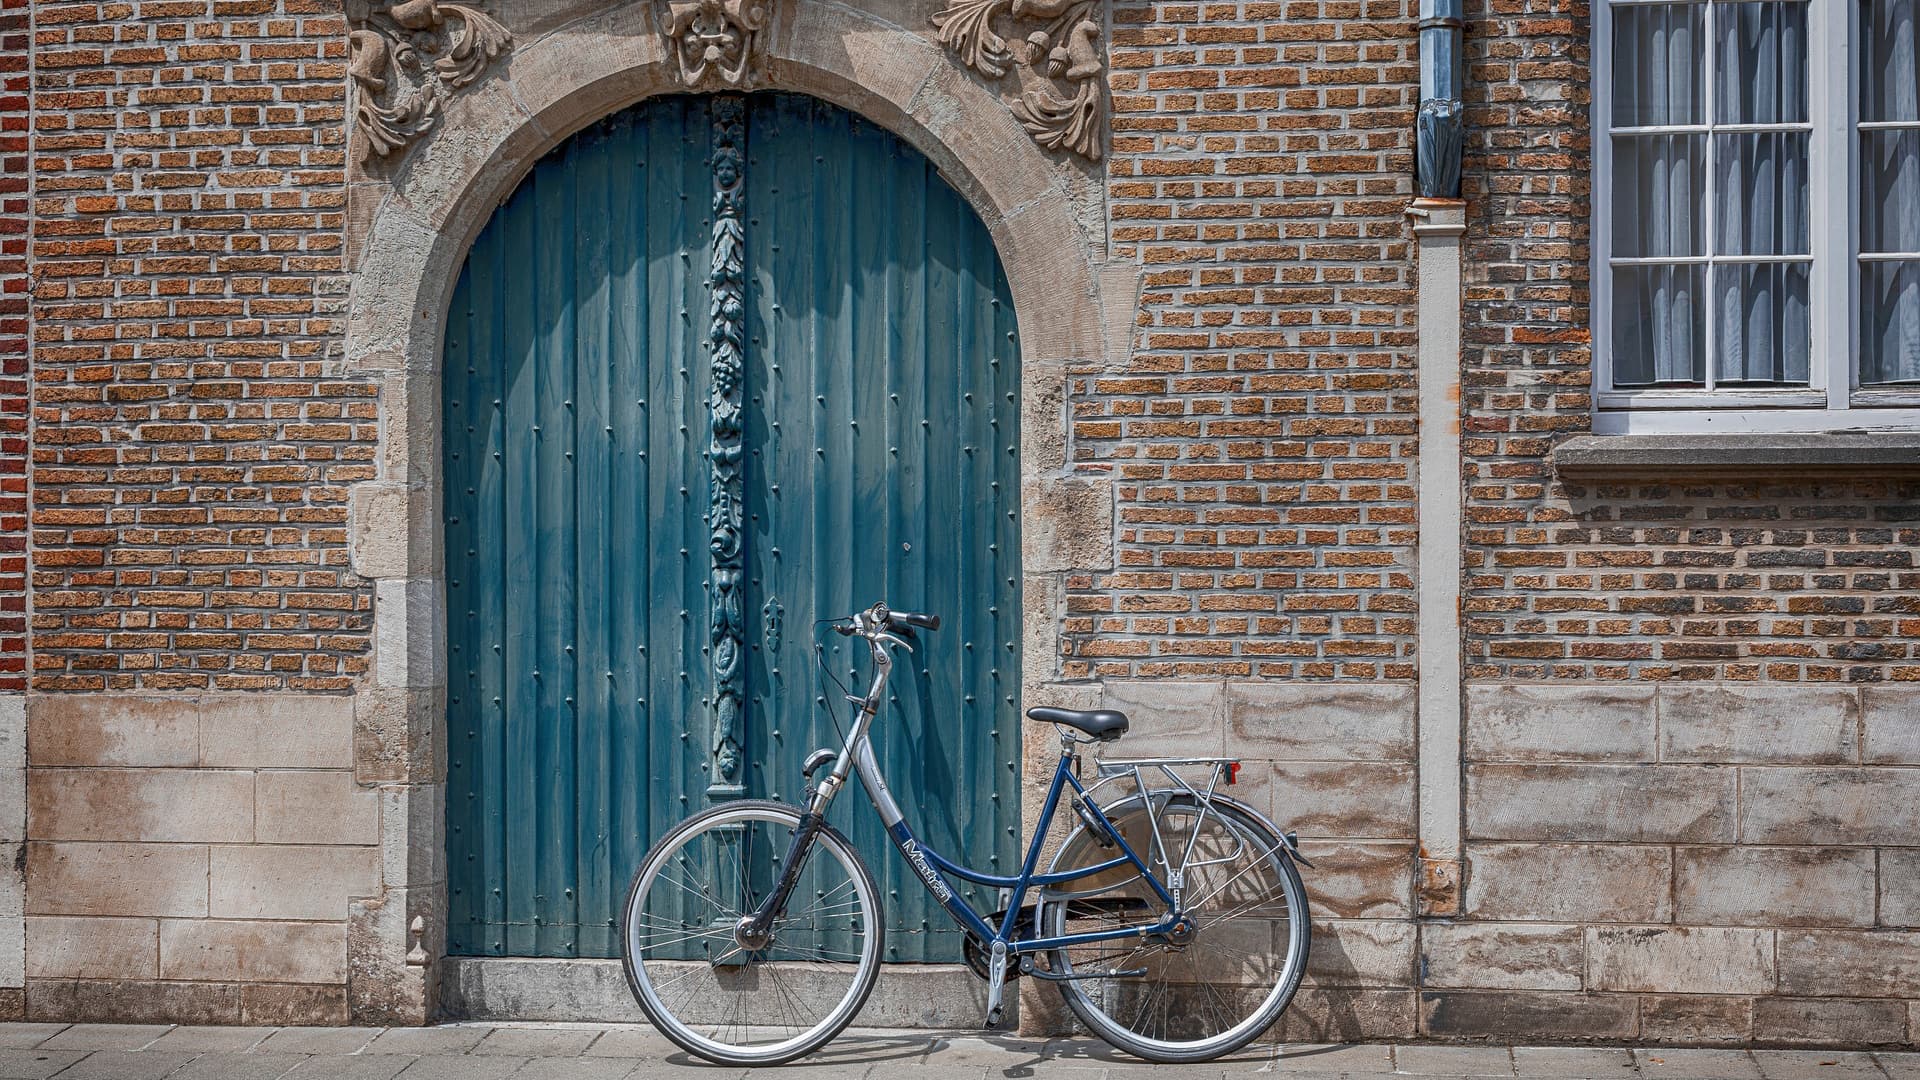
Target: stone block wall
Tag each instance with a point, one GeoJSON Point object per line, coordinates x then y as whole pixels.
{"type": "Point", "coordinates": [1686, 862]}
{"type": "Point", "coordinates": [191, 859]}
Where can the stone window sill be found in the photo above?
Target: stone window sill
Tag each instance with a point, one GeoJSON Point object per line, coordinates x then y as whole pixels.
{"type": "Point", "coordinates": [1835, 453]}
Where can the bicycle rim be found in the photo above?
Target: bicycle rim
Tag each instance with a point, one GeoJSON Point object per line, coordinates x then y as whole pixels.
{"type": "Point", "coordinates": [1196, 1001]}
{"type": "Point", "coordinates": [750, 1007]}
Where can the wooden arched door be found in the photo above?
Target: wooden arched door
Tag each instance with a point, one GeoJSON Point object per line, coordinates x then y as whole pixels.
{"type": "Point", "coordinates": [866, 346]}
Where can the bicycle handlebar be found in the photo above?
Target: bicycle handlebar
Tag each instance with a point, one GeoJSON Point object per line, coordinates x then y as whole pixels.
{"type": "Point", "coordinates": [878, 617]}
{"type": "Point", "coordinates": [914, 618]}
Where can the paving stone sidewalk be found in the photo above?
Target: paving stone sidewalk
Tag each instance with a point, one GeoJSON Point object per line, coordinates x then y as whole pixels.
{"type": "Point", "coordinates": [621, 1052]}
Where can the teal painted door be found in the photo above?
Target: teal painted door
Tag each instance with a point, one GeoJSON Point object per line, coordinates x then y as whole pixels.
{"type": "Point", "coordinates": [877, 459]}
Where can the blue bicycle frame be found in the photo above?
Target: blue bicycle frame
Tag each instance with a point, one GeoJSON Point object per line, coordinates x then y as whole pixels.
{"type": "Point", "coordinates": [933, 866]}
{"type": "Point", "coordinates": [876, 627]}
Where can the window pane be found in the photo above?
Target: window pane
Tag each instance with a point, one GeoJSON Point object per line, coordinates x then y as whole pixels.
{"type": "Point", "coordinates": [1890, 190]}
{"type": "Point", "coordinates": [1889, 322]}
{"type": "Point", "coordinates": [1657, 54]}
{"type": "Point", "coordinates": [1761, 328]}
{"type": "Point", "coordinates": [1761, 60]}
{"type": "Point", "coordinates": [1659, 337]}
{"type": "Point", "coordinates": [1658, 184]}
{"type": "Point", "coordinates": [1889, 42]}
{"type": "Point", "coordinates": [1760, 200]}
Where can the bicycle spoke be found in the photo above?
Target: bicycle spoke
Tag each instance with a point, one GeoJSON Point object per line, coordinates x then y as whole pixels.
{"type": "Point", "coordinates": [1206, 988]}
{"type": "Point", "coordinates": [727, 1002]}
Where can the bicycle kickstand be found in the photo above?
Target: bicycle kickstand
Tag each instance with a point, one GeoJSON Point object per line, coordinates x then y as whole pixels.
{"type": "Point", "coordinates": [996, 983]}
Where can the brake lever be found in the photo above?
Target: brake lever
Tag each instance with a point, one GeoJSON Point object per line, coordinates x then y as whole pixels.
{"type": "Point", "coordinates": [892, 639]}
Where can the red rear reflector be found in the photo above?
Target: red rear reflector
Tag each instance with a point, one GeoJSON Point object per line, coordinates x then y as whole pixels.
{"type": "Point", "coordinates": [1233, 772]}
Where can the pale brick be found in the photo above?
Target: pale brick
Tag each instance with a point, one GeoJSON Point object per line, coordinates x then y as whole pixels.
{"type": "Point", "coordinates": [133, 1001]}
{"type": "Point", "coordinates": [1347, 1014]}
{"type": "Point", "coordinates": [1892, 719]}
{"type": "Point", "coordinates": [1358, 799]}
{"type": "Point", "coordinates": [68, 729]}
{"type": "Point", "coordinates": [1762, 886]}
{"type": "Point", "coordinates": [1829, 806]}
{"type": "Point", "coordinates": [1663, 959]}
{"type": "Point", "coordinates": [116, 879]}
{"type": "Point", "coordinates": [1643, 803]}
{"type": "Point", "coordinates": [13, 955]}
{"type": "Point", "coordinates": [1359, 879]}
{"type": "Point", "coordinates": [1827, 1021]}
{"type": "Point", "coordinates": [1850, 963]}
{"type": "Point", "coordinates": [1167, 719]}
{"type": "Point", "coordinates": [1502, 956]}
{"type": "Point", "coordinates": [316, 808]}
{"type": "Point", "coordinates": [1570, 882]}
{"type": "Point", "coordinates": [63, 947]}
{"type": "Point", "coordinates": [13, 768]}
{"type": "Point", "coordinates": [1808, 725]}
{"type": "Point", "coordinates": [1361, 952]}
{"type": "Point", "coordinates": [289, 881]}
{"type": "Point", "coordinates": [1560, 723]}
{"type": "Point", "coordinates": [222, 950]}
{"type": "Point", "coordinates": [170, 805]}
{"type": "Point", "coordinates": [1695, 1018]}
{"type": "Point", "coordinates": [276, 731]}
{"type": "Point", "coordinates": [1319, 723]}
{"type": "Point", "coordinates": [1506, 1015]}
{"type": "Point", "coordinates": [1900, 887]}
{"type": "Point", "coordinates": [1067, 524]}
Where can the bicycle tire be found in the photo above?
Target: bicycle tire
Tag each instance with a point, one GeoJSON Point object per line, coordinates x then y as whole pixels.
{"type": "Point", "coordinates": [682, 1030]}
{"type": "Point", "coordinates": [1079, 997]}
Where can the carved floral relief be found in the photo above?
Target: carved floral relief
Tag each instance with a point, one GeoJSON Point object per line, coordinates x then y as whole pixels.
{"type": "Point", "coordinates": [1062, 101]}
{"type": "Point", "coordinates": [712, 41]}
{"type": "Point", "coordinates": [408, 58]}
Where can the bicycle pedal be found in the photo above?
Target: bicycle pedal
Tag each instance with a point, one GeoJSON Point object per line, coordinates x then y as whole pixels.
{"type": "Point", "coordinates": [994, 1016]}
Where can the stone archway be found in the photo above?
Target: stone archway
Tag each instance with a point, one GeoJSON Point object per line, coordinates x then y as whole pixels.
{"type": "Point", "coordinates": [409, 231]}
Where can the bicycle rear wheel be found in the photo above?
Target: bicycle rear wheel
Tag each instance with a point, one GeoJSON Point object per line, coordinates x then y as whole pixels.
{"type": "Point", "coordinates": [727, 1003]}
{"type": "Point", "coordinates": [1169, 1000]}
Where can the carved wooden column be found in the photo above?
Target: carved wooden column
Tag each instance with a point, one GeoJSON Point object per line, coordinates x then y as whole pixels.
{"type": "Point", "coordinates": [726, 335]}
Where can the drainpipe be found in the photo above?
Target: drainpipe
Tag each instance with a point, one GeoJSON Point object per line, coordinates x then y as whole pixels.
{"type": "Point", "coordinates": [1439, 221]}
{"type": "Point", "coordinates": [1437, 127]}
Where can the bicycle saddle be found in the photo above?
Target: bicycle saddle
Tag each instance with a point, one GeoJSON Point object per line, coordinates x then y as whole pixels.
{"type": "Point", "coordinates": [1103, 724]}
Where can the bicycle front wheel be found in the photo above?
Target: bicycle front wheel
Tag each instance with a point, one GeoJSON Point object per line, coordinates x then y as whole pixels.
{"type": "Point", "coordinates": [710, 994]}
{"type": "Point", "coordinates": [1190, 996]}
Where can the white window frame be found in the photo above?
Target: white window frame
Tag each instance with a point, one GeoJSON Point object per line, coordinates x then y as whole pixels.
{"type": "Point", "coordinates": [1833, 399]}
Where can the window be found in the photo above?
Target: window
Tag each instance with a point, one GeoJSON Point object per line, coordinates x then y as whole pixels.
{"type": "Point", "coordinates": [1757, 214]}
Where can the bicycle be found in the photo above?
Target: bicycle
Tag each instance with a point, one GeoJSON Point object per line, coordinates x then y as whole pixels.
{"type": "Point", "coordinates": [745, 946]}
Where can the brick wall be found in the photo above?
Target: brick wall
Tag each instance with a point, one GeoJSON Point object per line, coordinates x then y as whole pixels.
{"type": "Point", "coordinates": [1685, 820]}
{"type": "Point", "coordinates": [1260, 436]}
{"type": "Point", "coordinates": [191, 856]}
{"type": "Point", "coordinates": [15, 184]}
{"type": "Point", "coordinates": [195, 436]}
{"type": "Point", "coordinates": [1686, 817]}
{"type": "Point", "coordinates": [1744, 580]}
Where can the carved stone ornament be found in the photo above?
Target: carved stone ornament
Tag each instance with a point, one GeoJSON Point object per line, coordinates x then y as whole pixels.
{"type": "Point", "coordinates": [1063, 100]}
{"type": "Point", "coordinates": [409, 56]}
{"type": "Point", "coordinates": [714, 42]}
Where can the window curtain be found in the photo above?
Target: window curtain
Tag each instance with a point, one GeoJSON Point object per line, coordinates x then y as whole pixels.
{"type": "Point", "coordinates": [1658, 187]}
{"type": "Point", "coordinates": [1763, 329]}
{"type": "Point", "coordinates": [1890, 195]}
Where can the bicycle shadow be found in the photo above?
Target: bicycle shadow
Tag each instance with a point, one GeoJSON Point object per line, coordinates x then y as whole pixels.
{"type": "Point", "coordinates": [850, 1054]}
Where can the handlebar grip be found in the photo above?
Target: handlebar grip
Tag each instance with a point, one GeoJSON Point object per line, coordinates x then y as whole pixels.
{"type": "Point", "coordinates": [914, 618]}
